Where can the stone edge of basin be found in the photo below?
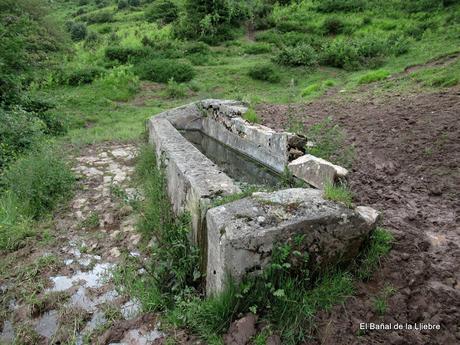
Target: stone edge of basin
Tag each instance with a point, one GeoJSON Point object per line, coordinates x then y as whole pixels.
{"type": "Point", "coordinates": [241, 234]}
{"type": "Point", "coordinates": [221, 120]}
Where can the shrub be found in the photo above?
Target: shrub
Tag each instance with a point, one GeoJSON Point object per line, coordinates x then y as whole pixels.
{"type": "Point", "coordinates": [340, 53]}
{"type": "Point", "coordinates": [373, 76]}
{"type": "Point", "coordinates": [197, 48]}
{"type": "Point", "coordinates": [78, 31]}
{"type": "Point", "coordinates": [134, 3]}
{"type": "Point", "coordinates": [175, 90]}
{"type": "Point", "coordinates": [92, 39]}
{"type": "Point", "coordinates": [122, 4]}
{"type": "Point", "coordinates": [329, 6]}
{"type": "Point", "coordinates": [85, 75]}
{"type": "Point", "coordinates": [162, 70]}
{"type": "Point", "coordinates": [123, 54]}
{"type": "Point", "coordinates": [99, 17]}
{"type": "Point", "coordinates": [333, 26]}
{"type": "Point", "coordinates": [40, 181]}
{"type": "Point", "coordinates": [19, 132]}
{"type": "Point", "coordinates": [258, 48]}
{"type": "Point", "coordinates": [300, 55]}
{"type": "Point", "coordinates": [162, 11]}
{"type": "Point", "coordinates": [264, 73]}
{"type": "Point", "coordinates": [119, 84]}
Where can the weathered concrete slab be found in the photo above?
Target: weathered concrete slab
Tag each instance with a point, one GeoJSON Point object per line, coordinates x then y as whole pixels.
{"type": "Point", "coordinates": [316, 171]}
{"type": "Point", "coordinates": [241, 234]}
{"type": "Point", "coordinates": [192, 179]}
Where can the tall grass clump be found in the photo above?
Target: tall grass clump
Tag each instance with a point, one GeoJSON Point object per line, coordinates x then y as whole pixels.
{"type": "Point", "coordinates": [173, 267]}
{"type": "Point", "coordinates": [118, 84]}
{"type": "Point", "coordinates": [264, 73]}
{"type": "Point", "coordinates": [15, 226]}
{"type": "Point", "coordinates": [339, 193]}
{"type": "Point", "coordinates": [299, 55]}
{"type": "Point", "coordinates": [40, 181]}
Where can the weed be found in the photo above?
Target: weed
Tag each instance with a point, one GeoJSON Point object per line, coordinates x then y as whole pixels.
{"type": "Point", "coordinates": [91, 222]}
{"type": "Point", "coordinates": [381, 301]}
{"type": "Point", "coordinates": [258, 48]}
{"type": "Point", "coordinates": [339, 193]}
{"type": "Point", "coordinates": [251, 116]}
{"type": "Point", "coordinates": [379, 245]}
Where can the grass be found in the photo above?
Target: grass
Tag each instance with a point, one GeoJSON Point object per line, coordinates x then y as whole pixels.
{"type": "Point", "coordinates": [251, 116]}
{"type": "Point", "coordinates": [379, 245]}
{"type": "Point", "coordinates": [381, 301]}
{"type": "Point", "coordinates": [373, 76]}
{"type": "Point", "coordinates": [339, 193]}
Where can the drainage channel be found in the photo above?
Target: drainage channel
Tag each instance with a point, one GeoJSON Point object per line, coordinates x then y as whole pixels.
{"type": "Point", "coordinates": [241, 168]}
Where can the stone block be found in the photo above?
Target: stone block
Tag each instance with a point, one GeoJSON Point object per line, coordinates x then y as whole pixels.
{"type": "Point", "coordinates": [241, 234]}
{"type": "Point", "coordinates": [316, 171]}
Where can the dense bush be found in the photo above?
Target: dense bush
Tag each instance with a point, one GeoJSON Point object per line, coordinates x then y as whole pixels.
{"type": "Point", "coordinates": [162, 11]}
{"type": "Point", "coordinates": [123, 54]}
{"type": "Point", "coordinates": [134, 3]}
{"type": "Point", "coordinates": [300, 55]}
{"type": "Point", "coordinates": [197, 48]}
{"type": "Point", "coordinates": [258, 48]}
{"type": "Point", "coordinates": [368, 51]}
{"type": "Point", "coordinates": [85, 75]}
{"type": "Point", "coordinates": [78, 31]}
{"type": "Point", "coordinates": [122, 4]}
{"type": "Point", "coordinates": [264, 73]}
{"type": "Point", "coordinates": [329, 6]}
{"type": "Point", "coordinates": [118, 84]}
{"type": "Point", "coordinates": [209, 20]}
{"type": "Point", "coordinates": [19, 132]}
{"type": "Point", "coordinates": [99, 17]}
{"type": "Point", "coordinates": [163, 70]}
{"type": "Point", "coordinates": [39, 180]}
{"type": "Point", "coordinates": [333, 26]}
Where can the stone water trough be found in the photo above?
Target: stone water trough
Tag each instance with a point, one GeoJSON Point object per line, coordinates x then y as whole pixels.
{"type": "Point", "coordinates": [209, 152]}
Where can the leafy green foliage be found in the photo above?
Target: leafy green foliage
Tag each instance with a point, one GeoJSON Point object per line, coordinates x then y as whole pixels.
{"type": "Point", "coordinates": [163, 70]}
{"type": "Point", "coordinates": [264, 73]}
{"type": "Point", "coordinates": [78, 31]}
{"type": "Point", "coordinates": [175, 90]}
{"type": "Point", "coordinates": [123, 54]}
{"type": "Point", "coordinates": [85, 75]}
{"type": "Point", "coordinates": [162, 11]}
{"type": "Point", "coordinates": [258, 48]}
{"type": "Point", "coordinates": [99, 17]}
{"type": "Point", "coordinates": [19, 132]}
{"type": "Point", "coordinates": [39, 180]}
{"type": "Point", "coordinates": [329, 6]}
{"type": "Point", "coordinates": [118, 84]}
{"type": "Point", "coordinates": [300, 55]}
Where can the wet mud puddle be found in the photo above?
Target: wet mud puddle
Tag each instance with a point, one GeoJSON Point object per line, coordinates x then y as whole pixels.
{"type": "Point", "coordinates": [93, 235]}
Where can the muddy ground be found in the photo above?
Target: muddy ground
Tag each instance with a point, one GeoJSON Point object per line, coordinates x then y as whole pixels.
{"type": "Point", "coordinates": [61, 291]}
{"type": "Point", "coordinates": [408, 166]}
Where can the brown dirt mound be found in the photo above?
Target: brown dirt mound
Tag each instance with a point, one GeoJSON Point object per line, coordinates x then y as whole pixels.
{"type": "Point", "coordinates": [408, 166]}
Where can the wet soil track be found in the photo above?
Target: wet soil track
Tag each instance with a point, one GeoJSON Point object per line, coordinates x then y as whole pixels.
{"type": "Point", "coordinates": [408, 166]}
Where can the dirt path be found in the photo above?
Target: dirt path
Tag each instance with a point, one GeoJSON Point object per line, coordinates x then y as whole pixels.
{"type": "Point", "coordinates": [73, 296]}
{"type": "Point", "coordinates": [408, 166]}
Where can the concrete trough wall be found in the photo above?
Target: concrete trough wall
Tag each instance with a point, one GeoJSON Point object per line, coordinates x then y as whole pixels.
{"type": "Point", "coordinates": [238, 237]}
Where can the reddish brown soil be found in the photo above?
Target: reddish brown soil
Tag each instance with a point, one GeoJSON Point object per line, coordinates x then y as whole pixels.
{"type": "Point", "coordinates": [407, 166]}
